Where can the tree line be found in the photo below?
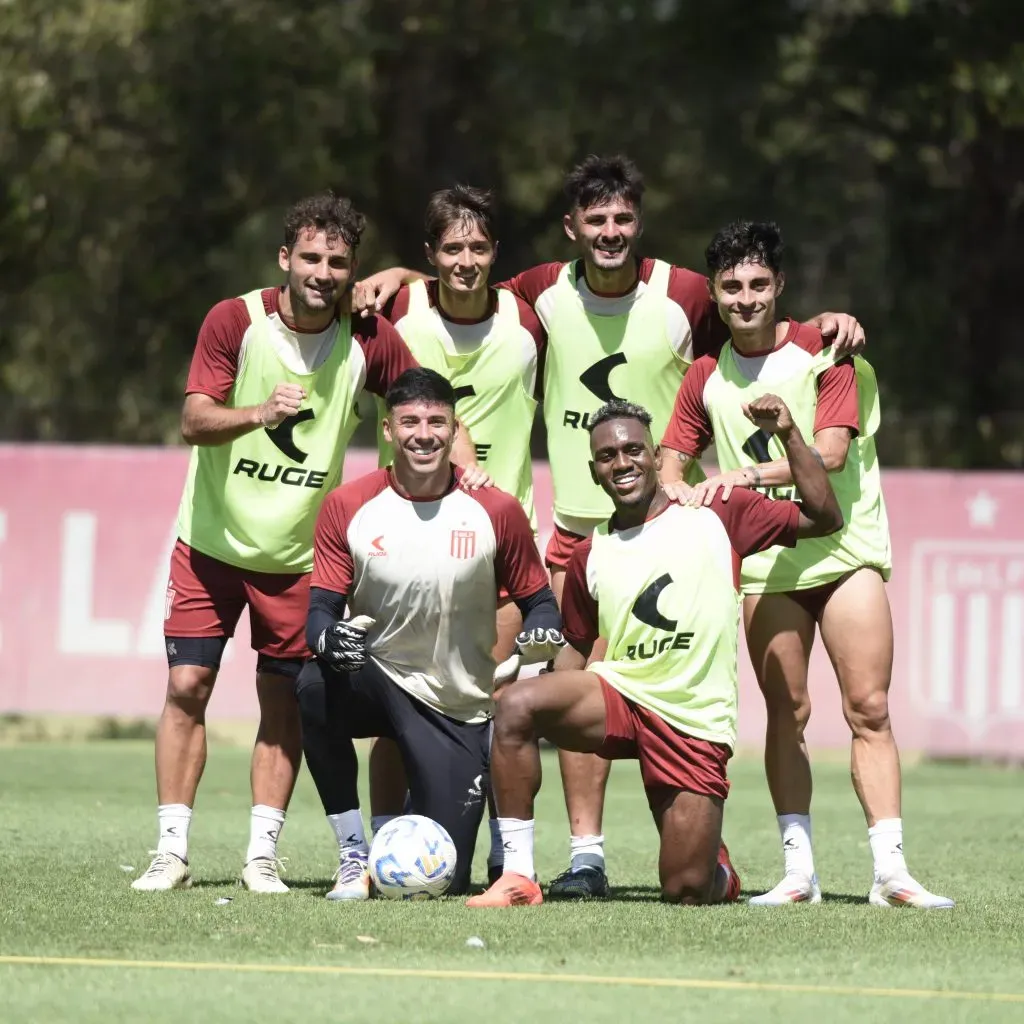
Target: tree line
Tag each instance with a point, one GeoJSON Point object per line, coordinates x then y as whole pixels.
{"type": "Point", "coordinates": [148, 150]}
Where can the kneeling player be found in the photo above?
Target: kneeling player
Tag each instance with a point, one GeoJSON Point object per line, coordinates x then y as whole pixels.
{"type": "Point", "coordinates": [425, 561]}
{"type": "Point", "coordinates": [660, 582]}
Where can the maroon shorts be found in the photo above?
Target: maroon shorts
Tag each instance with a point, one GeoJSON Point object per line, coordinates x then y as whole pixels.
{"type": "Point", "coordinates": [669, 759]}
{"type": "Point", "coordinates": [814, 599]}
{"type": "Point", "coordinates": [205, 597]}
{"type": "Point", "coordinates": [561, 545]}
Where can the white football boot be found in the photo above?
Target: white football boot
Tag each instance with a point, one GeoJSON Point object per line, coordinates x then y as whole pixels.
{"type": "Point", "coordinates": [166, 871]}
{"type": "Point", "coordinates": [261, 875]}
{"type": "Point", "coordinates": [795, 887]}
{"type": "Point", "coordinates": [901, 890]}
{"type": "Point", "coordinates": [351, 880]}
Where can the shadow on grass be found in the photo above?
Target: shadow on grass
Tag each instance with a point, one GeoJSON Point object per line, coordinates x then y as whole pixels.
{"type": "Point", "coordinates": [652, 894]}
{"type": "Point", "coordinates": [293, 883]}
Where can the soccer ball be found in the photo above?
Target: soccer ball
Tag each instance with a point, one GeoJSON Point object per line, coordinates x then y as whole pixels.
{"type": "Point", "coordinates": [412, 858]}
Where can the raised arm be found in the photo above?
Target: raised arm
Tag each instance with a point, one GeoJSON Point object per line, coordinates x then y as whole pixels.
{"type": "Point", "coordinates": [819, 513]}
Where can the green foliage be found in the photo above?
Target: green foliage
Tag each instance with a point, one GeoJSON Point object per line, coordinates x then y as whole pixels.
{"type": "Point", "coordinates": [148, 150]}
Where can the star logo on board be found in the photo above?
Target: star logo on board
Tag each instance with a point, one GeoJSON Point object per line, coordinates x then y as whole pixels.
{"type": "Point", "coordinates": [982, 510]}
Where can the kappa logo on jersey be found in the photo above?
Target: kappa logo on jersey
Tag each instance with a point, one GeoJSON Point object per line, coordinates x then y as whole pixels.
{"type": "Point", "coordinates": [595, 380]}
{"type": "Point", "coordinates": [281, 435]}
{"type": "Point", "coordinates": [645, 608]}
{"type": "Point", "coordinates": [377, 547]}
{"type": "Point", "coordinates": [463, 543]}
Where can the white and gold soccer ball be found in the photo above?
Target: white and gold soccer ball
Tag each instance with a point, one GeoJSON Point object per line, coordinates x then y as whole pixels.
{"type": "Point", "coordinates": [412, 858]}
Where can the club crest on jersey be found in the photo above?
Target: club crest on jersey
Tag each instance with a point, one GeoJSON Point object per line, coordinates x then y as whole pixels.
{"type": "Point", "coordinates": [463, 543]}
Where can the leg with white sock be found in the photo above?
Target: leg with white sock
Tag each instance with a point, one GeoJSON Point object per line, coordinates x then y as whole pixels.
{"type": "Point", "coordinates": [565, 707]}
{"type": "Point", "coordinates": [856, 628]}
{"type": "Point", "coordinates": [509, 621]}
{"type": "Point", "coordinates": [780, 634]}
{"type": "Point", "coordinates": [276, 757]}
{"type": "Point", "coordinates": [334, 768]}
{"type": "Point", "coordinates": [180, 760]}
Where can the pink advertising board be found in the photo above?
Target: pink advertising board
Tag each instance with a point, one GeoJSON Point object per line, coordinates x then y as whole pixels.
{"type": "Point", "coordinates": [85, 535]}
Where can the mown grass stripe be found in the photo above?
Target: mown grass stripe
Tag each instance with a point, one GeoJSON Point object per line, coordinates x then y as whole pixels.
{"type": "Point", "coordinates": [518, 976]}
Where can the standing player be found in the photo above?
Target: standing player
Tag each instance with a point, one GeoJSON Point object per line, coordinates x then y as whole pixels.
{"type": "Point", "coordinates": [425, 560]}
{"type": "Point", "coordinates": [269, 409]}
{"type": "Point", "coordinates": [837, 583]}
{"type": "Point", "coordinates": [659, 581]}
{"type": "Point", "coordinates": [619, 326]}
{"type": "Point", "coordinates": [487, 343]}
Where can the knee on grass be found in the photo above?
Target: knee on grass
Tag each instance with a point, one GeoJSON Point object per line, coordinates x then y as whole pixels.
{"type": "Point", "coordinates": [689, 886]}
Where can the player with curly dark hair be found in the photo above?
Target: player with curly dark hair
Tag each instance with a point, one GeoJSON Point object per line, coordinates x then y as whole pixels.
{"type": "Point", "coordinates": [836, 586]}
{"type": "Point", "coordinates": [269, 409]}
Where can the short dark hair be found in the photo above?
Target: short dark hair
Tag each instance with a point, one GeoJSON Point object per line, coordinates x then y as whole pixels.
{"type": "Point", "coordinates": [599, 179]}
{"type": "Point", "coordinates": [334, 215]}
{"type": "Point", "coordinates": [619, 409]}
{"type": "Point", "coordinates": [745, 241]}
{"type": "Point", "coordinates": [460, 202]}
{"type": "Point", "coordinates": [420, 384]}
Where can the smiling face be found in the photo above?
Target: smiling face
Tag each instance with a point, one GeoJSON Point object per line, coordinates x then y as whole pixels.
{"type": "Point", "coordinates": [625, 461]}
{"type": "Point", "coordinates": [746, 295]}
{"type": "Point", "coordinates": [422, 434]}
{"type": "Point", "coordinates": [607, 233]}
{"type": "Point", "coordinates": [320, 271]}
{"type": "Point", "coordinates": [464, 256]}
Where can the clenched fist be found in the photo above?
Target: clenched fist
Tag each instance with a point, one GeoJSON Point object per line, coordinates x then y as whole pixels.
{"type": "Point", "coordinates": [284, 401]}
{"type": "Point", "coordinates": [771, 414]}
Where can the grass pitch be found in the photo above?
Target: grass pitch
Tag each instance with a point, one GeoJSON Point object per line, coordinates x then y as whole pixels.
{"type": "Point", "coordinates": [76, 944]}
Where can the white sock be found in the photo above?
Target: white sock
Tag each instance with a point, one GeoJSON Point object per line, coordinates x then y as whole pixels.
{"type": "Point", "coordinates": [795, 830]}
{"type": "Point", "coordinates": [586, 851]}
{"type": "Point", "coordinates": [265, 826]}
{"type": "Point", "coordinates": [517, 845]}
{"type": "Point", "coordinates": [174, 820]}
{"type": "Point", "coordinates": [886, 839]}
{"type": "Point", "coordinates": [378, 821]}
{"type": "Point", "coordinates": [348, 827]}
{"type": "Point", "coordinates": [497, 854]}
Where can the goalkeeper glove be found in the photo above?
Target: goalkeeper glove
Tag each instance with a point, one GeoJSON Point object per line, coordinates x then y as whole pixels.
{"type": "Point", "coordinates": [342, 645]}
{"type": "Point", "coordinates": [532, 646]}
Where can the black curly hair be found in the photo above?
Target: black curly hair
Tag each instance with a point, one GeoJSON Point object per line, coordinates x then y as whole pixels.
{"type": "Point", "coordinates": [745, 241]}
